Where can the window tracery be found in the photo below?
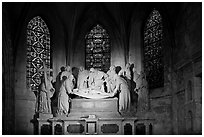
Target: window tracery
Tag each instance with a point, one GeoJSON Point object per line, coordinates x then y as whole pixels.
{"type": "Point", "coordinates": [153, 50]}
{"type": "Point", "coordinates": [98, 49]}
{"type": "Point", "coordinates": [38, 51]}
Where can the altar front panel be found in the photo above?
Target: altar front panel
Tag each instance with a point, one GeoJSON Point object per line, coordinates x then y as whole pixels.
{"type": "Point", "coordinates": [98, 107]}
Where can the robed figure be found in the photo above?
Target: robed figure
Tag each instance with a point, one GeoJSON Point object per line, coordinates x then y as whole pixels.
{"type": "Point", "coordinates": [143, 95]}
{"type": "Point", "coordinates": [122, 87]}
{"type": "Point", "coordinates": [82, 78]}
{"type": "Point", "coordinates": [46, 91]}
{"type": "Point", "coordinates": [96, 80]}
{"type": "Point", "coordinates": [63, 96]}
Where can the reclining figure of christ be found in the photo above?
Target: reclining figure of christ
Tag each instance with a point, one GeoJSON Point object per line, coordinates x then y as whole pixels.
{"type": "Point", "coordinates": [91, 85]}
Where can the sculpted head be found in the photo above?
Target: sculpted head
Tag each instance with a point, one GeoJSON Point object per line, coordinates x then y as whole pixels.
{"type": "Point", "coordinates": [92, 70]}
{"type": "Point", "coordinates": [62, 68]}
{"type": "Point", "coordinates": [134, 70]}
{"type": "Point", "coordinates": [112, 68]}
{"type": "Point", "coordinates": [68, 68]}
{"type": "Point", "coordinates": [127, 65]}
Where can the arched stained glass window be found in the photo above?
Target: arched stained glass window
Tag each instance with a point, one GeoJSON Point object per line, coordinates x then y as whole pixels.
{"type": "Point", "coordinates": [38, 51]}
{"type": "Point", "coordinates": [98, 49]}
{"type": "Point", "coordinates": [153, 50]}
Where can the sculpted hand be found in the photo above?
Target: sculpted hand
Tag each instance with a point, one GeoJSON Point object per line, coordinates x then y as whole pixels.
{"type": "Point", "coordinates": [111, 94]}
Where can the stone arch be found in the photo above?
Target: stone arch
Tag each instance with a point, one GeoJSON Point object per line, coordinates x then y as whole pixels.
{"type": "Point", "coordinates": [139, 18]}
{"type": "Point", "coordinates": [53, 23]}
{"type": "Point", "coordinates": [24, 98]}
{"type": "Point", "coordinates": [38, 51]}
{"type": "Point", "coordinates": [96, 48]}
{"type": "Point", "coordinates": [85, 22]}
{"type": "Point", "coordinates": [153, 50]}
{"type": "Point", "coordinates": [138, 23]}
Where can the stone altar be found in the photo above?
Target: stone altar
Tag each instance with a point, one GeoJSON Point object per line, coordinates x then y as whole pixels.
{"type": "Point", "coordinates": [93, 117]}
{"type": "Point", "coordinates": [102, 108]}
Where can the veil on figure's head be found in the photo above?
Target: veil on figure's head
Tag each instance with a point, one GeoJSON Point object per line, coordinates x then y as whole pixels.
{"type": "Point", "coordinates": [92, 69]}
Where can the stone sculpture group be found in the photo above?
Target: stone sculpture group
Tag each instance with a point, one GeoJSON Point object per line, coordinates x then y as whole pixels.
{"type": "Point", "coordinates": [94, 84]}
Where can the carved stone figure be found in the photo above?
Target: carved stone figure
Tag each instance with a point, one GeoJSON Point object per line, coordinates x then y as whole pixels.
{"type": "Point", "coordinates": [109, 80]}
{"type": "Point", "coordinates": [96, 80]}
{"type": "Point", "coordinates": [63, 96]}
{"type": "Point", "coordinates": [121, 87]}
{"type": "Point", "coordinates": [136, 78]}
{"type": "Point", "coordinates": [111, 70]}
{"type": "Point", "coordinates": [82, 78]}
{"type": "Point", "coordinates": [126, 73]}
{"type": "Point", "coordinates": [46, 91]}
{"type": "Point", "coordinates": [143, 100]}
{"type": "Point", "coordinates": [65, 74]}
{"type": "Point", "coordinates": [58, 81]}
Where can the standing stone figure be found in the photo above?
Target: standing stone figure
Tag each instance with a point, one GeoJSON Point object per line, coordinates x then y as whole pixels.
{"type": "Point", "coordinates": [46, 91]}
{"type": "Point", "coordinates": [109, 80]}
{"type": "Point", "coordinates": [96, 80]}
{"type": "Point", "coordinates": [65, 74]}
{"type": "Point", "coordinates": [82, 78]}
{"type": "Point", "coordinates": [143, 99]}
{"type": "Point", "coordinates": [136, 77]}
{"type": "Point", "coordinates": [126, 73]}
{"type": "Point", "coordinates": [121, 87]}
{"type": "Point", "coordinates": [111, 70]}
{"type": "Point", "coordinates": [58, 81]}
{"type": "Point", "coordinates": [134, 86]}
{"type": "Point", "coordinates": [63, 96]}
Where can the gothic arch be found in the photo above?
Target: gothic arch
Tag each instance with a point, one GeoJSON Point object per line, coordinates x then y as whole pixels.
{"type": "Point", "coordinates": [85, 20]}
{"type": "Point", "coordinates": [167, 41]}
{"type": "Point", "coordinates": [23, 95]}
{"type": "Point", "coordinates": [98, 49]}
{"type": "Point", "coordinates": [38, 51]}
{"type": "Point", "coordinates": [153, 50]}
{"type": "Point", "coordinates": [56, 29]}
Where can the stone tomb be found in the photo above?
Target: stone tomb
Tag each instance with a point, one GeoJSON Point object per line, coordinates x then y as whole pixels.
{"type": "Point", "coordinates": [101, 108]}
{"type": "Point", "coordinates": [91, 116]}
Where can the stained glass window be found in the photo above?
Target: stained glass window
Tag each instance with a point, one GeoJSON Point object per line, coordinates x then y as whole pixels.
{"type": "Point", "coordinates": [153, 50]}
{"type": "Point", "coordinates": [98, 49]}
{"type": "Point", "coordinates": [38, 51]}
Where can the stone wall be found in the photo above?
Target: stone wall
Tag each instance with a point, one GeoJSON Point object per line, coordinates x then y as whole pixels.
{"type": "Point", "coordinates": [187, 66]}
{"type": "Point", "coordinates": [8, 108]}
{"type": "Point", "coordinates": [70, 22]}
{"type": "Point", "coordinates": [24, 98]}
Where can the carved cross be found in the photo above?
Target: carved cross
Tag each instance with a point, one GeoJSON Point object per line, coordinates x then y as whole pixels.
{"type": "Point", "coordinates": [45, 70]}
